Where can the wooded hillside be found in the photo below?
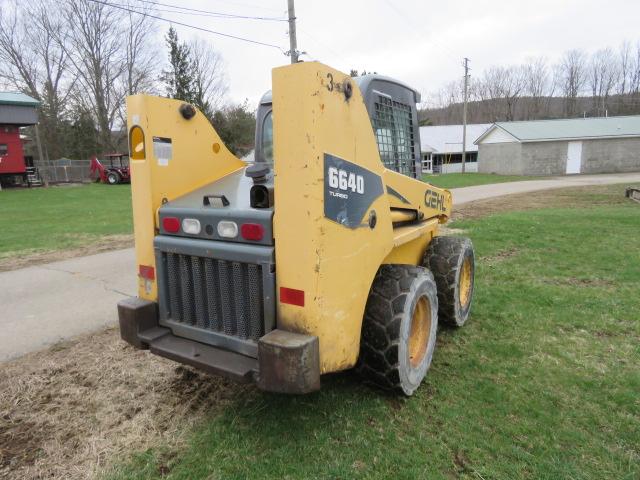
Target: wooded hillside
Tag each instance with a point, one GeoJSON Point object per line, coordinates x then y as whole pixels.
{"type": "Point", "coordinates": [605, 82]}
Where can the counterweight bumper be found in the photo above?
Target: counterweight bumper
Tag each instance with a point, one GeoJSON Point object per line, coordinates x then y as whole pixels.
{"type": "Point", "coordinates": [287, 362]}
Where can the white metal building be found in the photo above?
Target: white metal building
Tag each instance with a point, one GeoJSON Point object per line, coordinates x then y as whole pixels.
{"type": "Point", "coordinates": [441, 147]}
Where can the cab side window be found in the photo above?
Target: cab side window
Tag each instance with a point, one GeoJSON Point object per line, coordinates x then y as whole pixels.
{"type": "Point", "coordinates": [393, 126]}
{"type": "Point", "coordinates": [267, 137]}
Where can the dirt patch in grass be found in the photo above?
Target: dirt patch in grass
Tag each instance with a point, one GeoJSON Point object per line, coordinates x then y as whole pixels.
{"type": "Point", "coordinates": [69, 411]}
{"type": "Point", "coordinates": [104, 244]}
{"type": "Point", "coordinates": [580, 282]}
{"type": "Point", "coordinates": [572, 197]}
{"type": "Point", "coordinates": [500, 256]}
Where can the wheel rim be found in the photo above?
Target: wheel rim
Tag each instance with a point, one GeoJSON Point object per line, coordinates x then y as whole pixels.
{"type": "Point", "coordinates": [420, 331]}
{"type": "Point", "coordinates": [465, 282]}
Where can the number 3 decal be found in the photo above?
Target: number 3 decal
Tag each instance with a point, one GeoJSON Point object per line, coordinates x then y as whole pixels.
{"type": "Point", "coordinates": [330, 84]}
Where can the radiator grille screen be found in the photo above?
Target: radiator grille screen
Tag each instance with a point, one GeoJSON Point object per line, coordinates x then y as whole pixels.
{"type": "Point", "coordinates": [217, 295]}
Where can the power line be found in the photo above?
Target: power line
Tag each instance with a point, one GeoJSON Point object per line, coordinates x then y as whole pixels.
{"type": "Point", "coordinates": [321, 44]}
{"type": "Point", "coordinates": [416, 29]}
{"type": "Point", "coordinates": [251, 5]}
{"type": "Point", "coordinates": [227, 35]}
{"type": "Point", "coordinates": [214, 15]}
{"type": "Point", "coordinates": [195, 11]}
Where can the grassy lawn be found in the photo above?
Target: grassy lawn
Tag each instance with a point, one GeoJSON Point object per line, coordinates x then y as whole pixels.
{"type": "Point", "coordinates": [457, 180]}
{"type": "Point", "coordinates": [56, 218]}
{"type": "Point", "coordinates": [542, 383]}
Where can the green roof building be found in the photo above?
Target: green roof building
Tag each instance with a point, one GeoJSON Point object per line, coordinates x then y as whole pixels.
{"type": "Point", "coordinates": [559, 147]}
{"type": "Point", "coordinates": [18, 109]}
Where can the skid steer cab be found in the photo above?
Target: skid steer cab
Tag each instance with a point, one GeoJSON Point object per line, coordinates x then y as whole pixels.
{"type": "Point", "coordinates": [321, 256]}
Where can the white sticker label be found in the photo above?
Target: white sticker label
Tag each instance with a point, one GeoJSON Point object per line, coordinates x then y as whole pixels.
{"type": "Point", "coordinates": [163, 150]}
{"type": "Point", "coordinates": [135, 119]}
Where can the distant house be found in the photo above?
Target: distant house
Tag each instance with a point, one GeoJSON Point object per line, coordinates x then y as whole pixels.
{"type": "Point", "coordinates": [441, 147]}
{"type": "Point", "coordinates": [16, 110]}
{"type": "Point", "coordinates": [558, 147]}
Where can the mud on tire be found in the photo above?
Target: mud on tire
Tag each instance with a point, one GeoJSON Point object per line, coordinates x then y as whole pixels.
{"type": "Point", "coordinates": [452, 262]}
{"type": "Point", "coordinates": [399, 328]}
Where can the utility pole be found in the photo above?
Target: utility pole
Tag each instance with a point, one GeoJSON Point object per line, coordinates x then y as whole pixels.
{"type": "Point", "coordinates": [293, 44]}
{"type": "Point", "coordinates": [464, 112]}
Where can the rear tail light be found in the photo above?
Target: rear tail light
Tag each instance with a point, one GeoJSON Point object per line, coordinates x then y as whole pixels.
{"type": "Point", "coordinates": [252, 231]}
{"type": "Point", "coordinates": [292, 296]}
{"type": "Point", "coordinates": [171, 224]}
{"type": "Point", "coordinates": [227, 229]}
{"type": "Point", "coordinates": [147, 272]}
{"type": "Point", "coordinates": [191, 226]}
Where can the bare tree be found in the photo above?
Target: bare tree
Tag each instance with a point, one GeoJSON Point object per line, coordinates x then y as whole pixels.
{"type": "Point", "coordinates": [32, 61]}
{"type": "Point", "coordinates": [503, 87]}
{"type": "Point", "coordinates": [605, 81]}
{"type": "Point", "coordinates": [603, 76]}
{"type": "Point", "coordinates": [537, 86]}
{"type": "Point", "coordinates": [625, 64]}
{"type": "Point", "coordinates": [488, 89]}
{"type": "Point", "coordinates": [513, 85]}
{"type": "Point", "coordinates": [140, 53]}
{"type": "Point", "coordinates": [140, 57]}
{"type": "Point", "coordinates": [18, 67]}
{"type": "Point", "coordinates": [571, 77]}
{"type": "Point", "coordinates": [634, 73]}
{"type": "Point", "coordinates": [111, 56]}
{"type": "Point", "coordinates": [209, 79]}
{"type": "Point", "coordinates": [94, 48]}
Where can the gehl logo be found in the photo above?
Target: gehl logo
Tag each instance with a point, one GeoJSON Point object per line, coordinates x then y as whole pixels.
{"type": "Point", "coordinates": [435, 200]}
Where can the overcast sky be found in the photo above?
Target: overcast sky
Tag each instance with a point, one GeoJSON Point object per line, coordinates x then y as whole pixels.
{"type": "Point", "coordinates": [421, 42]}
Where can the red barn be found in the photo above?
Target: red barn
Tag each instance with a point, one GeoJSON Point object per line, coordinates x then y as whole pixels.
{"type": "Point", "coordinates": [16, 110]}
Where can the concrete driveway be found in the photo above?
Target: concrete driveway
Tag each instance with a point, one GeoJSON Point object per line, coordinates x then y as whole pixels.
{"type": "Point", "coordinates": [480, 192]}
{"type": "Point", "coordinates": [44, 304]}
{"type": "Point", "coordinates": [41, 305]}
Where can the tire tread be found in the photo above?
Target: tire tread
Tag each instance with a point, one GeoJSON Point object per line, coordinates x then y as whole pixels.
{"type": "Point", "coordinates": [378, 362]}
{"type": "Point", "coordinates": [443, 259]}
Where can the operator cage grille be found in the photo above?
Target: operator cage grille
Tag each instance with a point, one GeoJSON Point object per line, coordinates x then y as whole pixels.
{"type": "Point", "coordinates": [217, 295]}
{"type": "Point", "coordinates": [393, 124]}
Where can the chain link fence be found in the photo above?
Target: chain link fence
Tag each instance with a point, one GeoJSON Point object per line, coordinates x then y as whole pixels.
{"type": "Point", "coordinates": [65, 170]}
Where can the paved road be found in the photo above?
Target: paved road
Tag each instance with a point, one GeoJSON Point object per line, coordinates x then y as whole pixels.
{"type": "Point", "coordinates": [42, 305]}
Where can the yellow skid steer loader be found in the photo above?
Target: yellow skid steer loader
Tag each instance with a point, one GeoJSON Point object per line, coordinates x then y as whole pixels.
{"type": "Point", "coordinates": [320, 256]}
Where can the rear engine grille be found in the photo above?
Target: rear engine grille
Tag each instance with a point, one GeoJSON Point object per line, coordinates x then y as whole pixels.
{"type": "Point", "coordinates": [217, 295]}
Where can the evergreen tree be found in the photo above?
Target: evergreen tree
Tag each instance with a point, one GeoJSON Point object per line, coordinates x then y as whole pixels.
{"type": "Point", "coordinates": [82, 135]}
{"type": "Point", "coordinates": [179, 78]}
{"type": "Point", "coordinates": [236, 126]}
{"type": "Point", "coordinates": [199, 99]}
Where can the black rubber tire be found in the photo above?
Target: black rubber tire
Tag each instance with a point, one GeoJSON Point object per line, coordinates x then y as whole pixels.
{"type": "Point", "coordinates": [445, 257]}
{"type": "Point", "coordinates": [384, 349]}
{"type": "Point", "coordinates": [113, 178]}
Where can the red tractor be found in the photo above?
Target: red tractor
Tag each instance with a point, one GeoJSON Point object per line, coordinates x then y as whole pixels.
{"type": "Point", "coordinates": [114, 170]}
